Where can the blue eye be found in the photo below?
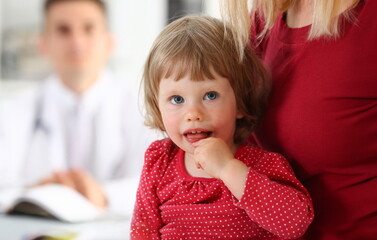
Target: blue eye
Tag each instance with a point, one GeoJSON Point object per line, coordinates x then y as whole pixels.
{"type": "Point", "coordinates": [177, 99]}
{"type": "Point", "coordinates": [210, 96]}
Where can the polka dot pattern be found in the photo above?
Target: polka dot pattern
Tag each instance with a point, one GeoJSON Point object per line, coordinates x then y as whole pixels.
{"type": "Point", "coordinates": [173, 205]}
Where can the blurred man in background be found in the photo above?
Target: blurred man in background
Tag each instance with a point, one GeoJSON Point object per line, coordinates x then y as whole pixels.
{"type": "Point", "coordinates": [81, 128]}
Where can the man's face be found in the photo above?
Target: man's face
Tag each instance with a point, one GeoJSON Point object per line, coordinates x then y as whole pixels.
{"type": "Point", "coordinates": [75, 38]}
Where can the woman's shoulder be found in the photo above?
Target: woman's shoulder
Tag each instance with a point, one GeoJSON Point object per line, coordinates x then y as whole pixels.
{"type": "Point", "coordinates": [256, 28]}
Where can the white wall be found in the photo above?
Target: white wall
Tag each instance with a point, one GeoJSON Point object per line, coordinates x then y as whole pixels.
{"type": "Point", "coordinates": [212, 7]}
{"type": "Point", "coordinates": [135, 24]}
{"type": "Point", "coordinates": [20, 12]}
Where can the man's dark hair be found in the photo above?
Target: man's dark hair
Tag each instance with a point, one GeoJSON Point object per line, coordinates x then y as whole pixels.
{"type": "Point", "coordinates": [49, 3]}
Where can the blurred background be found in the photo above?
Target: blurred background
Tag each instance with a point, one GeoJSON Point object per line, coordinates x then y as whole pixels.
{"type": "Point", "coordinates": [134, 23]}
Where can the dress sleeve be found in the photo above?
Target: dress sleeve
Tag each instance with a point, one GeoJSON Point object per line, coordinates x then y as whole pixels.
{"type": "Point", "coordinates": [146, 220]}
{"type": "Point", "coordinates": [275, 199]}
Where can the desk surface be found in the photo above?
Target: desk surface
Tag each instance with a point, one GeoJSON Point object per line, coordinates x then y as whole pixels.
{"type": "Point", "coordinates": [23, 227]}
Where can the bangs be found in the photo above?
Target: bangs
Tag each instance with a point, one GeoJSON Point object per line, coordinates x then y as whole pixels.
{"type": "Point", "coordinates": [196, 70]}
{"type": "Point", "coordinates": [193, 61]}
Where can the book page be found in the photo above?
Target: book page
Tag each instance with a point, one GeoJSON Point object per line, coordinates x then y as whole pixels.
{"type": "Point", "coordinates": [58, 201]}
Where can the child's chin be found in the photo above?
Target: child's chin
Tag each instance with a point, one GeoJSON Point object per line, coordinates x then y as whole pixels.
{"type": "Point", "coordinates": [185, 146]}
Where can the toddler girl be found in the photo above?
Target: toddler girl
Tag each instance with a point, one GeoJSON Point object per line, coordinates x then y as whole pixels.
{"type": "Point", "coordinates": [205, 181]}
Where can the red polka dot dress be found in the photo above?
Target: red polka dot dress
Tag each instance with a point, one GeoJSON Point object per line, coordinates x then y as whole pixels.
{"type": "Point", "coordinates": [171, 204]}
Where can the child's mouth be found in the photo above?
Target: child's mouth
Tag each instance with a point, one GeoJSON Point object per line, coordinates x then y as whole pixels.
{"type": "Point", "coordinates": [196, 135]}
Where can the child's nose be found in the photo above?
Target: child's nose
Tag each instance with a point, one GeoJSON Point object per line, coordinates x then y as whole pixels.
{"type": "Point", "coordinates": [194, 115]}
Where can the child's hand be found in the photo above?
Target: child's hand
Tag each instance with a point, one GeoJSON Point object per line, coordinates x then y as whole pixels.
{"type": "Point", "coordinates": [212, 155]}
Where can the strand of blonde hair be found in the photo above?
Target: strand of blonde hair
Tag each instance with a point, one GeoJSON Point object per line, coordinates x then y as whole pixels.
{"type": "Point", "coordinates": [236, 14]}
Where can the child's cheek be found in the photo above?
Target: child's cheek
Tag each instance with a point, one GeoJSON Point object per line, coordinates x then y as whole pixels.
{"type": "Point", "coordinates": [171, 124]}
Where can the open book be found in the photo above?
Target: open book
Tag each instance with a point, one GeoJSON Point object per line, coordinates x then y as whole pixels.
{"type": "Point", "coordinates": [57, 202]}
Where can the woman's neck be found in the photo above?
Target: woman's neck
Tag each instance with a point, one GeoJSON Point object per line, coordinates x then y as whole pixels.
{"type": "Point", "coordinates": [301, 13]}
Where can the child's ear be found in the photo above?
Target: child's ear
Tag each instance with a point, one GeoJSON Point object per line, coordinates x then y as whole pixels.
{"type": "Point", "coordinates": [239, 114]}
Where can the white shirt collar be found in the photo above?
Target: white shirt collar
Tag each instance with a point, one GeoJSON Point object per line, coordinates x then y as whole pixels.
{"type": "Point", "coordinates": [66, 100]}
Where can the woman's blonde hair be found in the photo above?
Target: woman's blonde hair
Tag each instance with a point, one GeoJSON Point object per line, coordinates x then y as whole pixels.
{"type": "Point", "coordinates": [325, 19]}
{"type": "Point", "coordinates": [198, 46]}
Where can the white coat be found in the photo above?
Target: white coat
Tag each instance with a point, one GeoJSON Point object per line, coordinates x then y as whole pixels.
{"type": "Point", "coordinates": [32, 143]}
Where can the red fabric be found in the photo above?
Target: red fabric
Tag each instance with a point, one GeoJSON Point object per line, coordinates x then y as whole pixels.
{"type": "Point", "coordinates": [173, 205]}
{"type": "Point", "coordinates": [323, 118]}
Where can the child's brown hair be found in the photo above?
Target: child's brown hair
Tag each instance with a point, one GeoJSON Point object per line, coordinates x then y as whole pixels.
{"type": "Point", "coordinates": [199, 46]}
